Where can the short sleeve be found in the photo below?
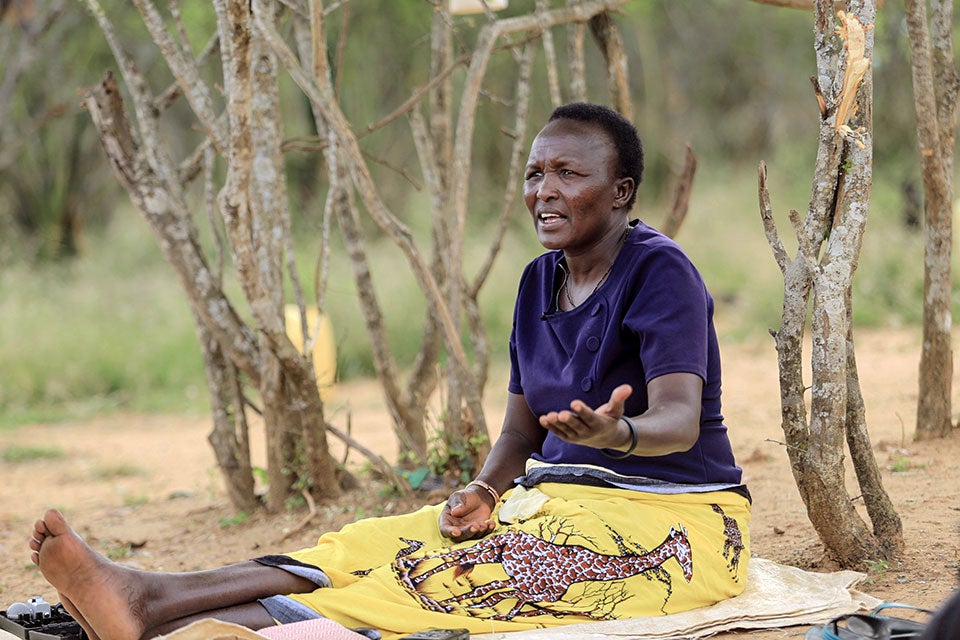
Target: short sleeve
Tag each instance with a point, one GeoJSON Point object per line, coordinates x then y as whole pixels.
{"type": "Point", "coordinates": [669, 313]}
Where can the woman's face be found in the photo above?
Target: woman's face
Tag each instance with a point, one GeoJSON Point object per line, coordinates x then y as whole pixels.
{"type": "Point", "coordinates": [571, 186]}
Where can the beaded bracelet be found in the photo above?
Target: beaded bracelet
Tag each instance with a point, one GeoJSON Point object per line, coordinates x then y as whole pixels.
{"type": "Point", "coordinates": [613, 454]}
{"type": "Point", "coordinates": [493, 492]}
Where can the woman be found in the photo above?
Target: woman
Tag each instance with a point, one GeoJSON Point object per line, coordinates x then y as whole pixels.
{"type": "Point", "coordinates": [621, 497]}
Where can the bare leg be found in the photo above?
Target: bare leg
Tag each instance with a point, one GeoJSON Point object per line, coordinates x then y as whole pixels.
{"type": "Point", "coordinates": [114, 602]}
{"type": "Point", "coordinates": [251, 615]}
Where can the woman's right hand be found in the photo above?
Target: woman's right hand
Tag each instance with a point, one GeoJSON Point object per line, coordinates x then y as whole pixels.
{"type": "Point", "coordinates": [466, 515]}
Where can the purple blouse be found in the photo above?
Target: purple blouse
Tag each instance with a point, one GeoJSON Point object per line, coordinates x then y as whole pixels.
{"type": "Point", "coordinates": [652, 316]}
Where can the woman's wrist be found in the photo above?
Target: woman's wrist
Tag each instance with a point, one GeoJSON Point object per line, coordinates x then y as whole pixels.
{"type": "Point", "coordinates": [634, 440]}
{"type": "Point", "coordinates": [486, 490]}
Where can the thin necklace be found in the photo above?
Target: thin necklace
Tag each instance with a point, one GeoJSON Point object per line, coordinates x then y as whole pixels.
{"type": "Point", "coordinates": [603, 278]}
{"type": "Point", "coordinates": [566, 289]}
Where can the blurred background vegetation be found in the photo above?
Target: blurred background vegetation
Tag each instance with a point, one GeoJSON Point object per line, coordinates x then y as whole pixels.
{"type": "Point", "coordinates": [93, 320]}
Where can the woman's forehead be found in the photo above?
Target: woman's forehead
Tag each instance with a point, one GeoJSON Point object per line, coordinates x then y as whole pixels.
{"type": "Point", "coordinates": [573, 128]}
{"type": "Point", "coordinates": [570, 138]}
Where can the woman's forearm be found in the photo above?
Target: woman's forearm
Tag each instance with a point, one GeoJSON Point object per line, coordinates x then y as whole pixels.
{"type": "Point", "coordinates": [507, 460]}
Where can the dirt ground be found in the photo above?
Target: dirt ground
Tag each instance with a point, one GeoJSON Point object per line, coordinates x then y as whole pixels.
{"type": "Point", "coordinates": [144, 489]}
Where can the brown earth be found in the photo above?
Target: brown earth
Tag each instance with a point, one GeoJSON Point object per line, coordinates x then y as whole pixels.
{"type": "Point", "coordinates": [144, 489]}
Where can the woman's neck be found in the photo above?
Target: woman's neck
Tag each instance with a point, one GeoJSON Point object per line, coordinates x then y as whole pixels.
{"type": "Point", "coordinates": [590, 264]}
{"type": "Point", "coordinates": [586, 273]}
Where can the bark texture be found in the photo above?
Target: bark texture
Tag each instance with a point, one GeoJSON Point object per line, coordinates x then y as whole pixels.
{"type": "Point", "coordinates": [251, 204]}
{"type": "Point", "coordinates": [829, 241]}
{"type": "Point", "coordinates": [935, 86]}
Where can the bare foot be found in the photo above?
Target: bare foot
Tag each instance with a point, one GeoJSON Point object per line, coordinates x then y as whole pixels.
{"type": "Point", "coordinates": [76, 615]}
{"type": "Point", "coordinates": [104, 597]}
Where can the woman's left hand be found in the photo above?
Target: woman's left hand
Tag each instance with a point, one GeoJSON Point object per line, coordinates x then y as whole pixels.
{"type": "Point", "coordinates": [466, 516]}
{"type": "Point", "coordinates": [599, 428]}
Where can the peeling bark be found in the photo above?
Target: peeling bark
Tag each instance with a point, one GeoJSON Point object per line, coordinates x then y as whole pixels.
{"type": "Point", "coordinates": [829, 241]}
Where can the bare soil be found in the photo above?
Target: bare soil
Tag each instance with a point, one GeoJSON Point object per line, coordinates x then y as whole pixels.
{"type": "Point", "coordinates": [145, 490]}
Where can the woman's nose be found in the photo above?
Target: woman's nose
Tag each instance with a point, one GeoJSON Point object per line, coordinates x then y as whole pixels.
{"type": "Point", "coordinates": [546, 191]}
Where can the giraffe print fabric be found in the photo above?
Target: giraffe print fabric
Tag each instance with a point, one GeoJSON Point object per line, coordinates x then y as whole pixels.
{"type": "Point", "coordinates": [588, 553]}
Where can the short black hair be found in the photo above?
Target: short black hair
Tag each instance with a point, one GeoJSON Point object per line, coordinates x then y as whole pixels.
{"type": "Point", "coordinates": [622, 133]}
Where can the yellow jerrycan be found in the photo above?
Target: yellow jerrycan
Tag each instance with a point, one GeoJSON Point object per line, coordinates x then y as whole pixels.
{"type": "Point", "coordinates": [324, 349]}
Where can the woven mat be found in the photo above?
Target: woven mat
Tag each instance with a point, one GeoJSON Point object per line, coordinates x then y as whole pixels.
{"type": "Point", "coordinates": [776, 596]}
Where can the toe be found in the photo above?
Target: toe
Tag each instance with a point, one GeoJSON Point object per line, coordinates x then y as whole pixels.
{"type": "Point", "coordinates": [54, 523]}
{"type": "Point", "coordinates": [40, 530]}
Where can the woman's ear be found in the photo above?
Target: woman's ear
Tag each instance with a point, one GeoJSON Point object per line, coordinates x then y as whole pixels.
{"type": "Point", "coordinates": [623, 191]}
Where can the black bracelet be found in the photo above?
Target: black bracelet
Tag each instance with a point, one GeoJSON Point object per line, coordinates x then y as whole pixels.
{"type": "Point", "coordinates": [613, 454]}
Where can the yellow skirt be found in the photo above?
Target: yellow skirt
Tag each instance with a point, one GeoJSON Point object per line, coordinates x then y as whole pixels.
{"type": "Point", "coordinates": [588, 553]}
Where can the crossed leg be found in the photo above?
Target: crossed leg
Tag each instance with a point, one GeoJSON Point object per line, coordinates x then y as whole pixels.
{"type": "Point", "coordinates": [113, 602]}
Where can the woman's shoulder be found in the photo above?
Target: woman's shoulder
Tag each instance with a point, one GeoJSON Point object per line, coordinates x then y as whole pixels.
{"type": "Point", "coordinates": [650, 257]}
{"type": "Point", "coordinates": [540, 267]}
{"type": "Point", "coordinates": [647, 242]}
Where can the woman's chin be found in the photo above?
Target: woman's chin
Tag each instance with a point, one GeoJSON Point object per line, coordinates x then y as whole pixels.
{"type": "Point", "coordinates": [549, 240]}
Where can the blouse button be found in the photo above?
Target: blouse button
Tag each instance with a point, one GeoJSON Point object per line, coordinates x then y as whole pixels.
{"type": "Point", "coordinates": [586, 384]}
{"type": "Point", "coordinates": [593, 343]}
{"type": "Point", "coordinates": [596, 309]}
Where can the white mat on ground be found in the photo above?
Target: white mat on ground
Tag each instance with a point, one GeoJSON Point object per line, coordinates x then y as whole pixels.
{"type": "Point", "coordinates": [776, 596]}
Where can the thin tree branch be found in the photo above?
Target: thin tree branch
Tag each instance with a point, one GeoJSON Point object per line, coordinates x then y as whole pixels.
{"type": "Point", "coordinates": [414, 98]}
{"type": "Point", "coordinates": [769, 224]}
{"type": "Point", "coordinates": [519, 135]}
{"type": "Point", "coordinates": [806, 5]}
{"type": "Point", "coordinates": [681, 199]}
{"type": "Point", "coordinates": [550, 55]}
{"type": "Point", "coordinates": [377, 461]}
{"type": "Point", "coordinates": [576, 33]}
{"type": "Point", "coordinates": [185, 71]}
{"type": "Point", "coordinates": [172, 92]}
{"type": "Point", "coordinates": [210, 200]}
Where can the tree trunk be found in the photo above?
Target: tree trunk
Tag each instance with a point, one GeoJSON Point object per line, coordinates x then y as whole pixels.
{"type": "Point", "coordinates": [887, 526]}
{"type": "Point", "coordinates": [935, 87]}
{"type": "Point", "coordinates": [230, 437]}
{"type": "Point", "coordinates": [254, 204]}
{"type": "Point", "coordinates": [837, 215]}
{"type": "Point", "coordinates": [253, 211]}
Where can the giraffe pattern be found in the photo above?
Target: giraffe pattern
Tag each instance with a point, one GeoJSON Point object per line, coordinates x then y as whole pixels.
{"type": "Point", "coordinates": [538, 571]}
{"type": "Point", "coordinates": [412, 547]}
{"type": "Point", "coordinates": [733, 542]}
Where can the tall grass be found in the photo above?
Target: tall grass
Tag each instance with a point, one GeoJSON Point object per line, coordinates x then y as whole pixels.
{"type": "Point", "coordinates": [108, 330]}
{"type": "Point", "coordinates": [112, 330]}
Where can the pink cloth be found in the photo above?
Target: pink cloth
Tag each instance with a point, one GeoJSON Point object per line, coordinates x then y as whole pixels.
{"type": "Point", "coordinates": [317, 629]}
